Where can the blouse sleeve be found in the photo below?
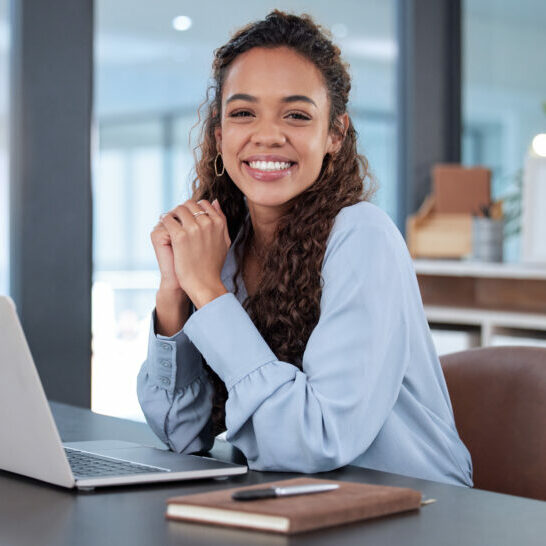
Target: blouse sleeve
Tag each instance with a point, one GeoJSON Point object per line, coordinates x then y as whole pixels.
{"type": "Point", "coordinates": [325, 415]}
{"type": "Point", "coordinates": [175, 393]}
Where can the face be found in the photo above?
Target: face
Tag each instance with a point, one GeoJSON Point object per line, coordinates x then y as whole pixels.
{"type": "Point", "coordinates": [274, 129]}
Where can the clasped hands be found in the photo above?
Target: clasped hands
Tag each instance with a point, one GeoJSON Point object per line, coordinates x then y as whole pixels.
{"type": "Point", "coordinates": [191, 250]}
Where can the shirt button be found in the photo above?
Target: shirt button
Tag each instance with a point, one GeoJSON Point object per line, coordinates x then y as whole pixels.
{"type": "Point", "coordinates": [166, 363]}
{"type": "Point", "coordinates": [165, 380]}
{"type": "Point", "coordinates": [166, 347]}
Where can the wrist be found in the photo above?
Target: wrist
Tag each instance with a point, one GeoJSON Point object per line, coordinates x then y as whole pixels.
{"type": "Point", "coordinates": [171, 312]}
{"type": "Point", "coordinates": [170, 292]}
{"type": "Point", "coordinates": [174, 302]}
{"type": "Point", "coordinates": [205, 294]}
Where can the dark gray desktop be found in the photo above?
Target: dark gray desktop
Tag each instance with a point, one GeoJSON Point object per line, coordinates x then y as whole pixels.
{"type": "Point", "coordinates": [32, 512]}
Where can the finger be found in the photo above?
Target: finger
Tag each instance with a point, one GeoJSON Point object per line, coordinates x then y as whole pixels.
{"type": "Point", "coordinates": [159, 224]}
{"type": "Point", "coordinates": [227, 238]}
{"type": "Point", "coordinates": [216, 205]}
{"type": "Point", "coordinates": [172, 213]}
{"type": "Point", "coordinates": [218, 208]}
{"type": "Point", "coordinates": [192, 206]}
{"type": "Point", "coordinates": [186, 214]}
{"type": "Point", "coordinates": [196, 207]}
{"type": "Point", "coordinates": [160, 234]}
{"type": "Point", "coordinates": [211, 211]}
{"type": "Point", "coordinates": [218, 216]}
{"type": "Point", "coordinates": [171, 224]}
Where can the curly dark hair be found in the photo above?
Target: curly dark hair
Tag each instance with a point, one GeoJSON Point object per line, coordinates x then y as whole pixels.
{"type": "Point", "coordinates": [286, 305]}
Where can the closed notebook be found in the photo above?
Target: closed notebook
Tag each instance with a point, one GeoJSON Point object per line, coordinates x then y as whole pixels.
{"type": "Point", "coordinates": [294, 514]}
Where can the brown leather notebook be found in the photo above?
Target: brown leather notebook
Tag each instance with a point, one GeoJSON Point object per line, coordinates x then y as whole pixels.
{"type": "Point", "coordinates": [294, 514]}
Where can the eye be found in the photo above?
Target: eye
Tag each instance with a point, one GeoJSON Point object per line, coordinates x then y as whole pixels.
{"type": "Point", "coordinates": [299, 116]}
{"type": "Point", "coordinates": [240, 114]}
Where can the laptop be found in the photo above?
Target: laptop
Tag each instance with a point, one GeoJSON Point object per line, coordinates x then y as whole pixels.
{"type": "Point", "coordinates": [30, 443]}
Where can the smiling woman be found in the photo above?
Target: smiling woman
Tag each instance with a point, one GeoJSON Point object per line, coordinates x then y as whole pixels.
{"type": "Point", "coordinates": [288, 311]}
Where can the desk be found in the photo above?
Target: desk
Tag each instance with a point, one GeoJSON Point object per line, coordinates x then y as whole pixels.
{"type": "Point", "coordinates": [35, 513]}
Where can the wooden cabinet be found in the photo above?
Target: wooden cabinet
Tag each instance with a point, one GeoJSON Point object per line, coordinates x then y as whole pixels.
{"type": "Point", "coordinates": [497, 299]}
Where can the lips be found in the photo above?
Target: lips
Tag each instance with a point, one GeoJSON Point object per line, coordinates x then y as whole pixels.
{"type": "Point", "coordinates": [269, 175]}
{"type": "Point", "coordinates": [269, 167]}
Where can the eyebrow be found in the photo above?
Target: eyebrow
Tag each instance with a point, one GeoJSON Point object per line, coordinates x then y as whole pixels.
{"type": "Point", "coordinates": [299, 98]}
{"type": "Point", "coordinates": [290, 98]}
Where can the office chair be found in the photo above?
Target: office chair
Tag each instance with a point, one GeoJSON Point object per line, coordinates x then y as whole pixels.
{"type": "Point", "coordinates": [499, 401]}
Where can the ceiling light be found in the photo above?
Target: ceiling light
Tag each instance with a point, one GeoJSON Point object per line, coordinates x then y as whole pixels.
{"type": "Point", "coordinates": [182, 22]}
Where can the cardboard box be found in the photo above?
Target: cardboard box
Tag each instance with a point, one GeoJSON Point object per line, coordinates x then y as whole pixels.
{"type": "Point", "coordinates": [461, 190]}
{"type": "Point", "coordinates": [430, 234]}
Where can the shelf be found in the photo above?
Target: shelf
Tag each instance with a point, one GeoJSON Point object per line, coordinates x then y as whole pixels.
{"type": "Point", "coordinates": [494, 298]}
{"type": "Point", "coordinates": [494, 287]}
{"type": "Point", "coordinates": [478, 317]}
{"type": "Point", "coordinates": [489, 322]}
{"type": "Point", "coordinates": [457, 268]}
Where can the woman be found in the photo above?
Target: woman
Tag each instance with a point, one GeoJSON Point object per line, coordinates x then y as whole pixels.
{"type": "Point", "coordinates": [306, 336]}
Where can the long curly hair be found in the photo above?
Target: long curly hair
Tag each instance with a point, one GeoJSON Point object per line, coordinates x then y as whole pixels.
{"type": "Point", "coordinates": [286, 306]}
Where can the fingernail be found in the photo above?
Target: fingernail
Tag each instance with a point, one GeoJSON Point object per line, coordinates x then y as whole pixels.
{"type": "Point", "coordinates": [215, 201]}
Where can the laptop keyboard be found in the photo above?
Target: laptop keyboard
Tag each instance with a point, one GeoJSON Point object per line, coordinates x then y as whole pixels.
{"type": "Point", "coordinates": [87, 465]}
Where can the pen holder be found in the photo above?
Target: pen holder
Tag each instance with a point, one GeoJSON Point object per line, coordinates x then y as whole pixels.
{"type": "Point", "coordinates": [487, 239]}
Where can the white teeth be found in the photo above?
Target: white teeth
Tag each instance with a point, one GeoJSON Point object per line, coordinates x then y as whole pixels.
{"type": "Point", "coordinates": [269, 165]}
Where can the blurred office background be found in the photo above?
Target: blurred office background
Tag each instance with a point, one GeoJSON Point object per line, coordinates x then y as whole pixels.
{"type": "Point", "coordinates": [151, 67]}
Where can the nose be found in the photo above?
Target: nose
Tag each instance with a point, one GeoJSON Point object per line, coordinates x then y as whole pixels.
{"type": "Point", "coordinates": [267, 133]}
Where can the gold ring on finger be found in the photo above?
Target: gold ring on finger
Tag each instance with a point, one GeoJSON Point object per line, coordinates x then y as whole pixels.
{"type": "Point", "coordinates": [196, 214]}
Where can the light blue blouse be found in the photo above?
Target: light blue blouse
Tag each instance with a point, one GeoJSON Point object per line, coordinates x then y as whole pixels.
{"type": "Point", "coordinates": [371, 392]}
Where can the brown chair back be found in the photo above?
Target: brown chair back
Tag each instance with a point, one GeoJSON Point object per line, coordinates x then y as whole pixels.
{"type": "Point", "coordinates": [499, 401]}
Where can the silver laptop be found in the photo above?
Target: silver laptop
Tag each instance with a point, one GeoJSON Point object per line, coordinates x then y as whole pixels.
{"type": "Point", "coordinates": [30, 443]}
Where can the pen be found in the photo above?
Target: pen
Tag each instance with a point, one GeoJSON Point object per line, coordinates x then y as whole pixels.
{"type": "Point", "coordinates": [271, 492]}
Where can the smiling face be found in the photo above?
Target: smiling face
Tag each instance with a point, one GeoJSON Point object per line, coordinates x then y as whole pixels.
{"type": "Point", "coordinates": [274, 129]}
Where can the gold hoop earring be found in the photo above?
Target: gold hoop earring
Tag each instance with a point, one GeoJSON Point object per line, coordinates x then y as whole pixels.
{"type": "Point", "coordinates": [216, 165]}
